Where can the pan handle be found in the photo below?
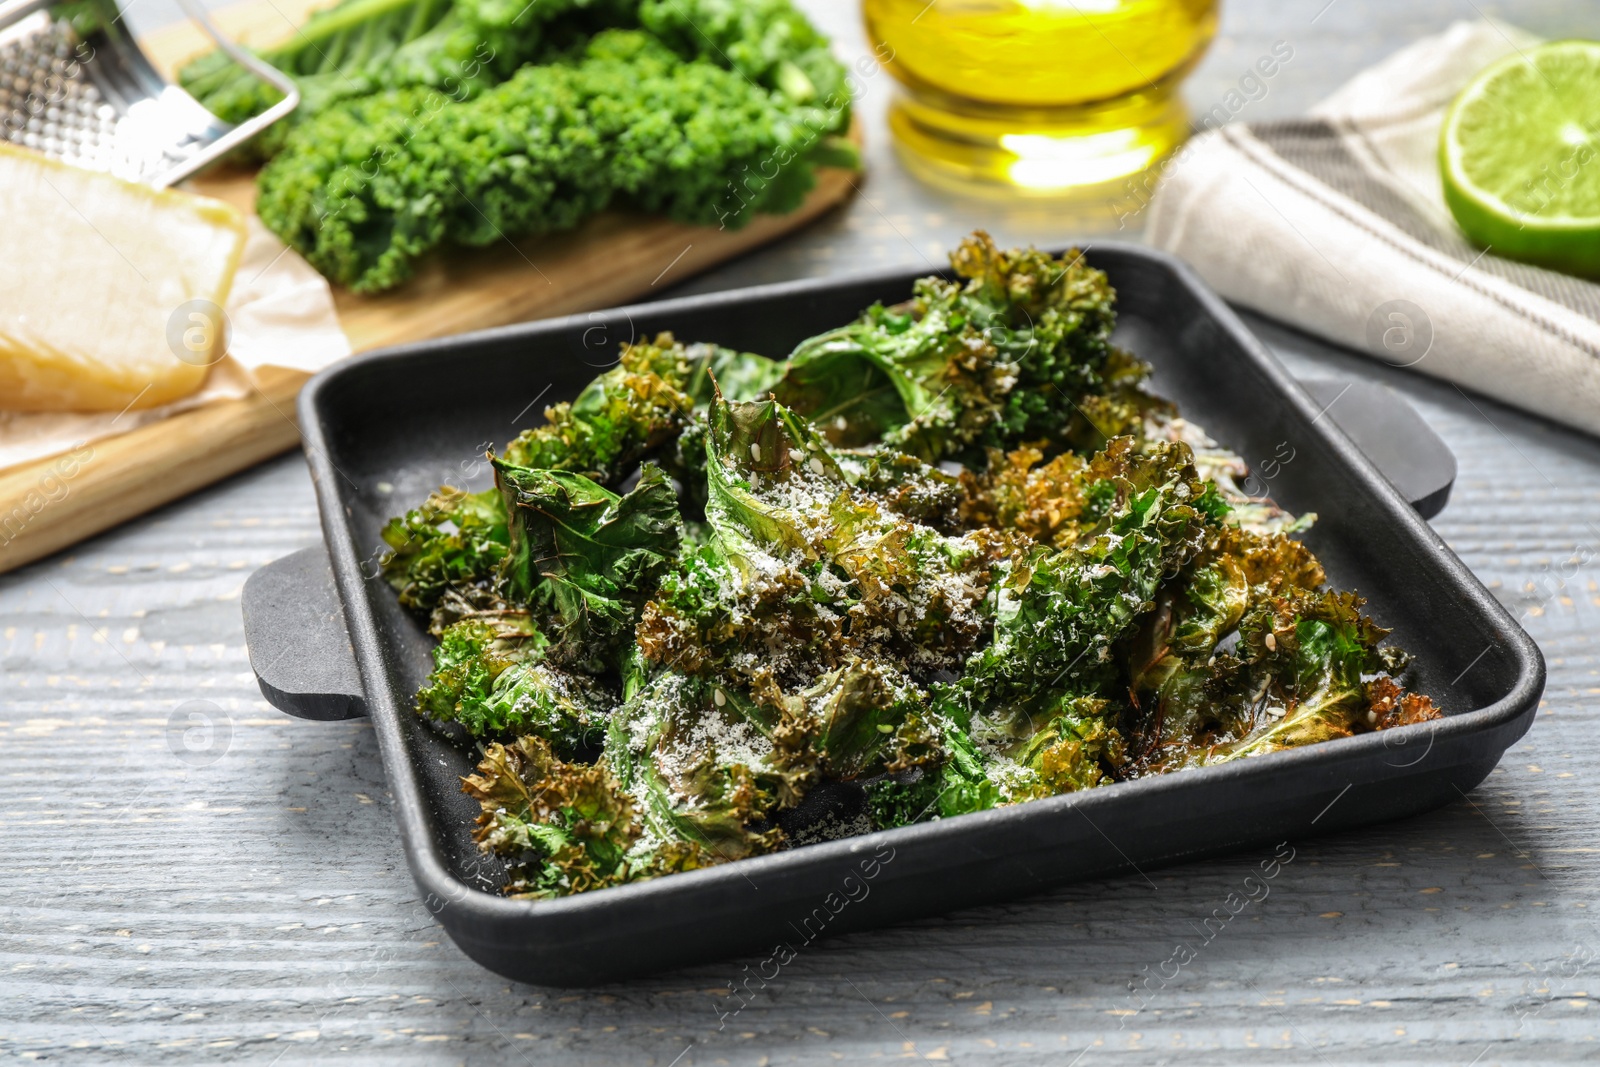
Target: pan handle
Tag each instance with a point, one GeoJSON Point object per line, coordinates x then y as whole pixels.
{"type": "Point", "coordinates": [1394, 437]}
{"type": "Point", "coordinates": [299, 647]}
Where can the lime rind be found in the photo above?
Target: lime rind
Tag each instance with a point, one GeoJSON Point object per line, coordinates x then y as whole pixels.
{"type": "Point", "coordinates": [1519, 157]}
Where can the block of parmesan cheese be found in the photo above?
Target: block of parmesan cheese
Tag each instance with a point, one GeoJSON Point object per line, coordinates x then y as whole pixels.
{"type": "Point", "coordinates": [110, 292]}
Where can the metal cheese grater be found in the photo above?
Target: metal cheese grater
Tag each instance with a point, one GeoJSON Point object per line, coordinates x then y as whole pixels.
{"type": "Point", "coordinates": [75, 85]}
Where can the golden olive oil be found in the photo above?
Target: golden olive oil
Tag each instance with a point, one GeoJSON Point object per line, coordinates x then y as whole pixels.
{"type": "Point", "coordinates": [1041, 96]}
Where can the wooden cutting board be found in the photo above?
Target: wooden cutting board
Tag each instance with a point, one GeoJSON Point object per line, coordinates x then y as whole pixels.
{"type": "Point", "coordinates": [613, 259]}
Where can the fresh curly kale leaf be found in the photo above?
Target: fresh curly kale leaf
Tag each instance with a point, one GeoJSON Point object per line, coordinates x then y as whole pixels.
{"type": "Point", "coordinates": [768, 41]}
{"type": "Point", "coordinates": [458, 48]}
{"type": "Point", "coordinates": [370, 184]}
{"type": "Point", "coordinates": [585, 559]}
{"type": "Point", "coordinates": [452, 49]}
{"type": "Point", "coordinates": [338, 52]}
{"type": "Point", "coordinates": [444, 556]}
{"type": "Point", "coordinates": [362, 189]}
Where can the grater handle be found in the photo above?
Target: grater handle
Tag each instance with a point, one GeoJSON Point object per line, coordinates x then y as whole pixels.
{"type": "Point", "coordinates": [15, 10]}
{"type": "Point", "coordinates": [245, 130]}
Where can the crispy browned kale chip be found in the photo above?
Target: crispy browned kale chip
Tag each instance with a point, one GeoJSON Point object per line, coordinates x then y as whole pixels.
{"type": "Point", "coordinates": [716, 585]}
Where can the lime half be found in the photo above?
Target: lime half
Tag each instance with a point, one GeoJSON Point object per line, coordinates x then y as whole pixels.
{"type": "Point", "coordinates": [1520, 157]}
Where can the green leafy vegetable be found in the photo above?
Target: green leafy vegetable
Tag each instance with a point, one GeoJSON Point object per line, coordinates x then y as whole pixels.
{"type": "Point", "coordinates": [585, 558]}
{"type": "Point", "coordinates": [627, 414]}
{"type": "Point", "coordinates": [562, 828]}
{"type": "Point", "coordinates": [896, 592]}
{"type": "Point", "coordinates": [1018, 354]}
{"type": "Point", "coordinates": [923, 379]}
{"type": "Point", "coordinates": [460, 47]}
{"type": "Point", "coordinates": [1059, 613]}
{"type": "Point", "coordinates": [1052, 319]}
{"type": "Point", "coordinates": [471, 657]}
{"type": "Point", "coordinates": [444, 556]}
{"type": "Point", "coordinates": [700, 771]}
{"type": "Point", "coordinates": [467, 122]}
{"type": "Point", "coordinates": [491, 676]}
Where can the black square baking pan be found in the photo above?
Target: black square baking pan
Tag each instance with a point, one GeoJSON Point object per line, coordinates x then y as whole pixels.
{"type": "Point", "coordinates": [328, 639]}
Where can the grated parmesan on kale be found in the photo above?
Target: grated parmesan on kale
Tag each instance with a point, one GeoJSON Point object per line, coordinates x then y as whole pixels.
{"type": "Point", "coordinates": [717, 590]}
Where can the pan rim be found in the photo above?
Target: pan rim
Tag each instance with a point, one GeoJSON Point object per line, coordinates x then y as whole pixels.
{"type": "Point", "coordinates": [445, 891]}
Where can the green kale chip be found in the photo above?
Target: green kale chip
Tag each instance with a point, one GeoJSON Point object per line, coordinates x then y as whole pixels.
{"type": "Point", "coordinates": [471, 656]}
{"type": "Point", "coordinates": [1019, 354]}
{"type": "Point", "coordinates": [491, 675]}
{"type": "Point", "coordinates": [444, 557]}
{"type": "Point", "coordinates": [900, 604]}
{"type": "Point", "coordinates": [562, 828]}
{"type": "Point", "coordinates": [1059, 613]}
{"type": "Point", "coordinates": [923, 380]}
{"type": "Point", "coordinates": [585, 559]}
{"type": "Point", "coordinates": [620, 418]}
{"type": "Point", "coordinates": [1051, 318]}
{"type": "Point", "coordinates": [701, 773]}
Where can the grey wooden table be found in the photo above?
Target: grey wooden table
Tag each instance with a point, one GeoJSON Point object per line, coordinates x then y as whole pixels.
{"type": "Point", "coordinates": [187, 876]}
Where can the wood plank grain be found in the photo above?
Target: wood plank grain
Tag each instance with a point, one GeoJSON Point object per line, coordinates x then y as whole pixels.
{"type": "Point", "coordinates": [613, 258]}
{"type": "Point", "coordinates": [258, 910]}
{"type": "Point", "coordinates": [56, 502]}
{"type": "Point", "coordinates": [238, 894]}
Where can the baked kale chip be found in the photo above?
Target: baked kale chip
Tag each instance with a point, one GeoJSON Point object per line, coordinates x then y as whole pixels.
{"type": "Point", "coordinates": [721, 605]}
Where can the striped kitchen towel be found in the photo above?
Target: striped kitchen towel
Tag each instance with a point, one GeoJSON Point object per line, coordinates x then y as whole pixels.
{"type": "Point", "coordinates": [1337, 224]}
